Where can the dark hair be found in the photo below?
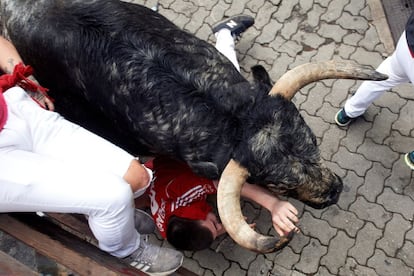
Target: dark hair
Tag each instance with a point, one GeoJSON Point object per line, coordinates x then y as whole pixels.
{"type": "Point", "coordinates": [188, 234]}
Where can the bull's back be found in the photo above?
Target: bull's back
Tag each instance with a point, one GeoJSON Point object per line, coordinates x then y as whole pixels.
{"type": "Point", "coordinates": [124, 72]}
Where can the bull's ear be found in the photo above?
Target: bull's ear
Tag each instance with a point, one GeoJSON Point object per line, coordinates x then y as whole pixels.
{"type": "Point", "coordinates": [260, 75]}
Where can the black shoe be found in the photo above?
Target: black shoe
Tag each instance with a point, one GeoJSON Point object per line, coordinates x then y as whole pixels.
{"type": "Point", "coordinates": [342, 119]}
{"type": "Point", "coordinates": [236, 24]}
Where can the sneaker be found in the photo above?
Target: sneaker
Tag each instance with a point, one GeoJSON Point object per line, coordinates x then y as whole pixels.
{"type": "Point", "coordinates": [155, 260]}
{"type": "Point", "coordinates": [409, 160]}
{"type": "Point", "coordinates": [144, 222]}
{"type": "Point", "coordinates": [342, 119]}
{"type": "Point", "coordinates": [236, 24]}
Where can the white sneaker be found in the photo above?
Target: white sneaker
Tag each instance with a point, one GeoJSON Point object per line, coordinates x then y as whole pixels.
{"type": "Point", "coordinates": [155, 260]}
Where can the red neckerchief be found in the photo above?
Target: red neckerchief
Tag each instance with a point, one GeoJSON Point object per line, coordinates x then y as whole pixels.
{"type": "Point", "coordinates": [18, 77]}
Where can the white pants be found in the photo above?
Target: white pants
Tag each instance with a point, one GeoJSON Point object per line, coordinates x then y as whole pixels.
{"type": "Point", "coordinates": [225, 45]}
{"type": "Point", "coordinates": [51, 165]}
{"type": "Point", "coordinates": [400, 69]}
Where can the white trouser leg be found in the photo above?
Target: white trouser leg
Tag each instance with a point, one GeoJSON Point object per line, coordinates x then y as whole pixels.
{"type": "Point", "coordinates": [51, 165]}
{"type": "Point", "coordinates": [225, 45]}
{"type": "Point", "coordinates": [399, 68]}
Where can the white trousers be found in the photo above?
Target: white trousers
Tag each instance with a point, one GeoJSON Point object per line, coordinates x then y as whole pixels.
{"type": "Point", "coordinates": [225, 45]}
{"type": "Point", "coordinates": [400, 69]}
{"type": "Point", "coordinates": [49, 164]}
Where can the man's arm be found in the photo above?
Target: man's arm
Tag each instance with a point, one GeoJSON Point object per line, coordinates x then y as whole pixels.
{"type": "Point", "coordinates": [284, 214]}
{"type": "Point", "coordinates": [9, 58]}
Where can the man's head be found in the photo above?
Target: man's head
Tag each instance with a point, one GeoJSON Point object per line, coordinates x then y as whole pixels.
{"type": "Point", "coordinates": [193, 235]}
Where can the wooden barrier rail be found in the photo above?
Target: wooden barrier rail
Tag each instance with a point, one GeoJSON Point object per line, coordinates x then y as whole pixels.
{"type": "Point", "coordinates": [67, 240]}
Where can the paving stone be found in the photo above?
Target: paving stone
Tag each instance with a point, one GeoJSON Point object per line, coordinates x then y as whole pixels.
{"type": "Point", "coordinates": [334, 10]}
{"type": "Point", "coordinates": [365, 57]}
{"type": "Point", "coordinates": [314, 99]}
{"type": "Point", "coordinates": [235, 253]}
{"type": "Point", "coordinates": [399, 143]}
{"type": "Point", "coordinates": [285, 10]}
{"type": "Point", "coordinates": [324, 271]}
{"type": "Point", "coordinates": [400, 177]}
{"type": "Point", "coordinates": [264, 14]}
{"type": "Point", "coordinates": [385, 265]}
{"type": "Point", "coordinates": [343, 220]}
{"type": "Point", "coordinates": [280, 270]}
{"type": "Point", "coordinates": [354, 7]}
{"type": "Point", "coordinates": [237, 7]}
{"type": "Point", "coordinates": [316, 124]}
{"type": "Point", "coordinates": [217, 12]}
{"type": "Point", "coordinates": [406, 254]}
{"type": "Point", "coordinates": [351, 184]}
{"type": "Point", "coordinates": [379, 153]}
{"type": "Point", "coordinates": [339, 93]}
{"type": "Point", "coordinates": [374, 182]}
{"type": "Point", "coordinates": [234, 270]}
{"type": "Point", "coordinates": [290, 28]}
{"type": "Point", "coordinates": [260, 266]}
{"type": "Point", "coordinates": [382, 126]}
{"type": "Point", "coordinates": [212, 260]}
{"type": "Point", "coordinates": [314, 16]}
{"type": "Point", "coordinates": [394, 234]}
{"type": "Point", "coordinates": [370, 212]}
{"type": "Point", "coordinates": [317, 228]}
{"type": "Point", "coordinates": [352, 38]}
{"type": "Point", "coordinates": [193, 266]}
{"type": "Point", "coordinates": [370, 40]}
{"type": "Point", "coordinates": [351, 161]}
{"type": "Point", "coordinates": [405, 118]}
{"type": "Point", "coordinates": [355, 23]}
{"type": "Point", "coordinates": [285, 258]}
{"type": "Point", "coordinates": [337, 252]}
{"type": "Point", "coordinates": [197, 20]}
{"type": "Point", "coordinates": [365, 243]}
{"type": "Point", "coordinates": [332, 31]}
{"type": "Point", "coordinates": [352, 268]}
{"type": "Point", "coordinates": [397, 203]}
{"type": "Point", "coordinates": [298, 242]}
{"type": "Point", "coordinates": [331, 139]}
{"type": "Point", "coordinates": [391, 100]}
{"type": "Point", "coordinates": [310, 257]}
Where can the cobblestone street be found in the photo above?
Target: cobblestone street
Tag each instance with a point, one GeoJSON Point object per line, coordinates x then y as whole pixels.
{"type": "Point", "coordinates": [370, 231]}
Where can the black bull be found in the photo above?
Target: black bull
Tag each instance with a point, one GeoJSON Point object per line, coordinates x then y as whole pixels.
{"type": "Point", "coordinates": [132, 76]}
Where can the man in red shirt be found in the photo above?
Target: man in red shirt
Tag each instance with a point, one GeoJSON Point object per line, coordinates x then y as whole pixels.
{"type": "Point", "coordinates": [178, 200]}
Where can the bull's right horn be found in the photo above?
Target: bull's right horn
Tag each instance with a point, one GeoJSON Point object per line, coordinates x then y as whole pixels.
{"type": "Point", "coordinates": [228, 204]}
{"type": "Point", "coordinates": [300, 76]}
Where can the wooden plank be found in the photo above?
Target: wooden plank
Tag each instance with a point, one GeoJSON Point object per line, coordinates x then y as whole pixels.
{"type": "Point", "coordinates": [63, 247]}
{"type": "Point", "coordinates": [77, 225]}
{"type": "Point", "coordinates": [10, 266]}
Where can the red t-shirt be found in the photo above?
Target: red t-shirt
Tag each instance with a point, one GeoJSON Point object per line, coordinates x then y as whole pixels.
{"type": "Point", "coordinates": [176, 190]}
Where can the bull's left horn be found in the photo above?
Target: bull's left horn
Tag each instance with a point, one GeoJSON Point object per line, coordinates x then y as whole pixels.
{"type": "Point", "coordinates": [300, 76]}
{"type": "Point", "coordinates": [228, 204]}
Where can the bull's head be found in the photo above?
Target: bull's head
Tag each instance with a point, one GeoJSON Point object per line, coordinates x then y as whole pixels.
{"type": "Point", "coordinates": [301, 174]}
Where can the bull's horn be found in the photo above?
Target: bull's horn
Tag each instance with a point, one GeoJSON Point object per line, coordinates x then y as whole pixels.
{"type": "Point", "coordinates": [228, 204]}
{"type": "Point", "coordinates": [302, 75]}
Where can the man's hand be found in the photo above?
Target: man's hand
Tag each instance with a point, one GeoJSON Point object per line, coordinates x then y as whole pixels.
{"type": "Point", "coordinates": [42, 100]}
{"type": "Point", "coordinates": [284, 217]}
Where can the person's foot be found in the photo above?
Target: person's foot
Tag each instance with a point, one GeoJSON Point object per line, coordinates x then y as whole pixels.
{"type": "Point", "coordinates": [144, 222]}
{"type": "Point", "coordinates": [155, 260]}
{"type": "Point", "coordinates": [236, 24]}
{"type": "Point", "coordinates": [341, 119]}
{"type": "Point", "coordinates": [409, 160]}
